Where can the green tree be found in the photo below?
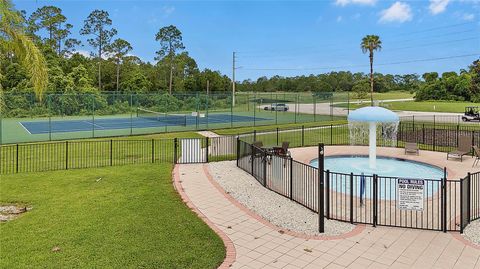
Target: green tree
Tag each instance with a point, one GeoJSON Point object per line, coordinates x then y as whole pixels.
{"type": "Point", "coordinates": [49, 18]}
{"type": "Point", "coordinates": [474, 70]}
{"type": "Point", "coordinates": [98, 24]}
{"type": "Point", "coordinates": [53, 21]}
{"type": "Point", "coordinates": [119, 49]}
{"type": "Point", "coordinates": [15, 43]}
{"type": "Point", "coordinates": [361, 89]}
{"type": "Point", "coordinates": [371, 43]}
{"type": "Point", "coordinates": [170, 39]}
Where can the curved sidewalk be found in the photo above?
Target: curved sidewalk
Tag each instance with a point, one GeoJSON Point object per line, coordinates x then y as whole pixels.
{"type": "Point", "coordinates": [252, 242]}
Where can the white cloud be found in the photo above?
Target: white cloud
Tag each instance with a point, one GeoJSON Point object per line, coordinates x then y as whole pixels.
{"type": "Point", "coordinates": [468, 17]}
{"type": "Point", "coordinates": [438, 6]}
{"type": "Point", "coordinates": [398, 12]}
{"type": "Point", "coordinates": [168, 10]}
{"type": "Point", "coordinates": [359, 2]}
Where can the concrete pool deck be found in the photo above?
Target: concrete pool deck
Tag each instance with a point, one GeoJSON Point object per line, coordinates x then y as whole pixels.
{"type": "Point", "coordinates": [455, 168]}
{"type": "Point", "coordinates": [252, 242]}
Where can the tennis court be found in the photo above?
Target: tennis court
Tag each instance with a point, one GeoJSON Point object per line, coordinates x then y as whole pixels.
{"type": "Point", "coordinates": [144, 121]}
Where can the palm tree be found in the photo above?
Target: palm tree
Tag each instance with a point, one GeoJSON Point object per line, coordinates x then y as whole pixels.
{"type": "Point", "coordinates": [371, 43]}
{"type": "Point", "coordinates": [14, 42]}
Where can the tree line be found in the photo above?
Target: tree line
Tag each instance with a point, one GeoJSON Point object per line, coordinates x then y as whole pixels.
{"type": "Point", "coordinates": [111, 67]}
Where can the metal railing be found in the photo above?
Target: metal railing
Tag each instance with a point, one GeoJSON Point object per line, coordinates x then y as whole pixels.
{"type": "Point", "coordinates": [50, 156]}
{"type": "Point", "coordinates": [446, 205]}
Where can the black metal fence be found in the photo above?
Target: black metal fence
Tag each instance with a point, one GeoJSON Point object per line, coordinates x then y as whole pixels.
{"type": "Point", "coordinates": [47, 156]}
{"type": "Point", "coordinates": [446, 205]}
{"type": "Point", "coordinates": [19, 158]}
{"type": "Point", "coordinates": [469, 199]}
{"type": "Point", "coordinates": [429, 136]}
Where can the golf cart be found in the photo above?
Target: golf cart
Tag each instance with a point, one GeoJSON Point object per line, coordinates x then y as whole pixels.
{"type": "Point", "coordinates": [472, 113]}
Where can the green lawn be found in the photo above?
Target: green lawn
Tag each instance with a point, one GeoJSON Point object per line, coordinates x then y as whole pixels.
{"type": "Point", "coordinates": [428, 106]}
{"type": "Point", "coordinates": [120, 217]}
{"type": "Point", "coordinates": [306, 97]}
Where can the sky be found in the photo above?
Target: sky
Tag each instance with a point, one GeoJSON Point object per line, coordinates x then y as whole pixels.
{"type": "Point", "coordinates": [290, 38]}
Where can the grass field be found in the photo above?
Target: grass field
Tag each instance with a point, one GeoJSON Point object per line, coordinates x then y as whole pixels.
{"type": "Point", "coordinates": [120, 217]}
{"type": "Point", "coordinates": [429, 106]}
{"type": "Point", "coordinates": [306, 97]}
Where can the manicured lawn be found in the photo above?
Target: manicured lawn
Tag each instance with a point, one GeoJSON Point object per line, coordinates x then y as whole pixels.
{"type": "Point", "coordinates": [385, 95]}
{"type": "Point", "coordinates": [430, 106]}
{"type": "Point", "coordinates": [119, 217]}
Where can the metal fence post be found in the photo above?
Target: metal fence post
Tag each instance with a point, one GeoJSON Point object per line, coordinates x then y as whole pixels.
{"type": "Point", "coordinates": [351, 198]}
{"type": "Point", "coordinates": [252, 158]}
{"type": "Point", "coordinates": [254, 135]}
{"type": "Point", "coordinates": [469, 182]}
{"type": "Point", "coordinates": [238, 149]}
{"type": "Point", "coordinates": [291, 178]}
{"type": "Point", "coordinates": [206, 149]}
{"type": "Point", "coordinates": [331, 134]}
{"type": "Point", "coordinates": [321, 175]}
{"type": "Point", "coordinates": [153, 150]}
{"type": "Point", "coordinates": [303, 135]}
{"type": "Point", "coordinates": [423, 133]}
{"type": "Point", "coordinates": [375, 199]}
{"type": "Point", "coordinates": [66, 155]}
{"type": "Point", "coordinates": [264, 172]}
{"type": "Point", "coordinates": [175, 150]}
{"type": "Point", "coordinates": [444, 200]}
{"type": "Point", "coordinates": [456, 135]}
{"type": "Point", "coordinates": [16, 159]}
{"type": "Point", "coordinates": [327, 194]}
{"type": "Point", "coordinates": [111, 152]}
{"type": "Point", "coordinates": [461, 205]}
{"type": "Point", "coordinates": [277, 135]}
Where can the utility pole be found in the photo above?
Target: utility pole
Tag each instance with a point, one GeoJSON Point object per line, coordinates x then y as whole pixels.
{"type": "Point", "coordinates": [208, 86]}
{"type": "Point", "coordinates": [233, 79]}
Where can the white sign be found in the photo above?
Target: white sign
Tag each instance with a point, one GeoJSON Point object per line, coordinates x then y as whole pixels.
{"type": "Point", "coordinates": [410, 194]}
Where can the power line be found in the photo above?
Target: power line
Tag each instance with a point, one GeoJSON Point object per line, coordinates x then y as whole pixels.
{"type": "Point", "coordinates": [435, 43]}
{"type": "Point", "coordinates": [364, 65]}
{"type": "Point", "coordinates": [258, 53]}
{"type": "Point", "coordinates": [329, 52]}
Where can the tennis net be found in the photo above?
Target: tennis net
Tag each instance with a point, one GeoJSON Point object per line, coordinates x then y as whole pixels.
{"type": "Point", "coordinates": [173, 119]}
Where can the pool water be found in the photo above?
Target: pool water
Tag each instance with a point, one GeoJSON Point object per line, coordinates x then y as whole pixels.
{"type": "Point", "coordinates": [388, 167]}
{"type": "Point", "coordinates": [389, 170]}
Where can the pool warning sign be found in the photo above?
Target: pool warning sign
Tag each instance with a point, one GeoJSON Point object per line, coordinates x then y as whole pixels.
{"type": "Point", "coordinates": [410, 194]}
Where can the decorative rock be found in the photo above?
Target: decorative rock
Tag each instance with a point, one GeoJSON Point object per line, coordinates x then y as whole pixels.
{"type": "Point", "coordinates": [269, 205]}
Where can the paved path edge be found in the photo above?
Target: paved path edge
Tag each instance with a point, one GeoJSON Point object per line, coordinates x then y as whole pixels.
{"type": "Point", "coordinates": [230, 252]}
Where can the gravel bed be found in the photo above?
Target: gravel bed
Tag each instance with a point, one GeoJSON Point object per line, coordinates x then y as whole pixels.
{"type": "Point", "coordinates": [271, 206]}
{"type": "Point", "coordinates": [472, 232]}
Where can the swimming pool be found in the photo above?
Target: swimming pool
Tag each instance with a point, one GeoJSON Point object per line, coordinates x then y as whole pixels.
{"type": "Point", "coordinates": [389, 171]}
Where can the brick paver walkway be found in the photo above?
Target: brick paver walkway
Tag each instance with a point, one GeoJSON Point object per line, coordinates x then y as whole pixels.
{"type": "Point", "coordinates": [254, 243]}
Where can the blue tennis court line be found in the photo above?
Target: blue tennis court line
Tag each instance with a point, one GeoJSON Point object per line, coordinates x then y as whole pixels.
{"type": "Point", "coordinates": [66, 126]}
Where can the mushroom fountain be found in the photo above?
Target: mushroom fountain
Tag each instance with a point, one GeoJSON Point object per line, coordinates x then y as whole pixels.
{"type": "Point", "coordinates": [369, 119]}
